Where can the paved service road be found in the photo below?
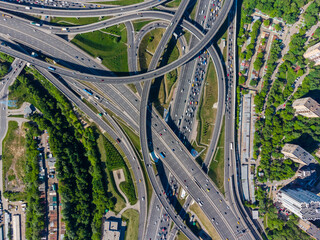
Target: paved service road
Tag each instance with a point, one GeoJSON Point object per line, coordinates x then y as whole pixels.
{"type": "Point", "coordinates": [16, 67]}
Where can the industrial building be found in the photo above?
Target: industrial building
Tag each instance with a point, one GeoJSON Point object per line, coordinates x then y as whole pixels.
{"type": "Point", "coordinates": [303, 203]}
{"type": "Point", "coordinates": [297, 154]}
{"type": "Point", "coordinates": [313, 53]}
{"type": "Point", "coordinates": [307, 107]}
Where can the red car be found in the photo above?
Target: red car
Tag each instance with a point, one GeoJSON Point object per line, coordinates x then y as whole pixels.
{"type": "Point", "coordinates": [228, 74]}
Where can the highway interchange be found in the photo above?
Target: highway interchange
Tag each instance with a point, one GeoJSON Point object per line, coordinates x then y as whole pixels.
{"type": "Point", "coordinates": [155, 134]}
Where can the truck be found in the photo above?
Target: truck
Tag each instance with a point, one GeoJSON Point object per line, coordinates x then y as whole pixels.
{"type": "Point", "coordinates": [51, 68]}
{"type": "Point", "coordinates": [64, 29]}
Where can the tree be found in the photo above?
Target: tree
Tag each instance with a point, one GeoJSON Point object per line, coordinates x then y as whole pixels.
{"type": "Point", "coordinates": [266, 22]}
{"type": "Point", "coordinates": [243, 55]}
{"type": "Point", "coordinates": [257, 64]}
{"type": "Point", "coordinates": [317, 33]}
{"type": "Point", "coordinates": [278, 27]}
{"type": "Point", "coordinates": [242, 79]}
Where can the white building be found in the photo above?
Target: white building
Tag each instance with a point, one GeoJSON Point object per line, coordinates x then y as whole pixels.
{"type": "Point", "coordinates": [303, 203]}
{"type": "Point", "coordinates": [16, 227]}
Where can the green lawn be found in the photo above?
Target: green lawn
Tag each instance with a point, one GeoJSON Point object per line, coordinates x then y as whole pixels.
{"type": "Point", "coordinates": [136, 142]}
{"type": "Point", "coordinates": [205, 221]}
{"type": "Point", "coordinates": [76, 21]}
{"type": "Point", "coordinates": [111, 49]}
{"type": "Point", "coordinates": [14, 150]}
{"type": "Point", "coordinates": [131, 216]}
{"type": "Point", "coordinates": [173, 3]}
{"type": "Point", "coordinates": [133, 137]}
{"type": "Point", "coordinates": [194, 10]}
{"type": "Point", "coordinates": [206, 112]}
{"type": "Point", "coordinates": [181, 236]}
{"type": "Point", "coordinates": [187, 35]}
{"type": "Point", "coordinates": [216, 168]}
{"type": "Point", "coordinates": [16, 116]}
{"type": "Point", "coordinates": [90, 105]}
{"type": "Point", "coordinates": [112, 191]}
{"type": "Point", "coordinates": [138, 24]}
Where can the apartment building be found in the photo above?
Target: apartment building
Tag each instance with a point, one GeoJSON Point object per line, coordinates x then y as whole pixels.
{"type": "Point", "coordinates": [313, 53]}
{"type": "Point", "coordinates": [303, 203]}
{"type": "Point", "coordinates": [307, 107]}
{"type": "Point", "coordinates": [297, 154]}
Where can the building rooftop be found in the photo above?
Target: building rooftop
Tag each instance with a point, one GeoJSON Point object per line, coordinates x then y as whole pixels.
{"type": "Point", "coordinates": [298, 152]}
{"type": "Point", "coordinates": [309, 103]}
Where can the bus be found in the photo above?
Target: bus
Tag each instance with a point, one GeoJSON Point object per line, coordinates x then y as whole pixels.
{"type": "Point", "coordinates": [154, 157]}
{"type": "Point", "coordinates": [162, 155]}
{"type": "Point", "coordinates": [87, 91]}
{"type": "Point", "coordinates": [51, 68]}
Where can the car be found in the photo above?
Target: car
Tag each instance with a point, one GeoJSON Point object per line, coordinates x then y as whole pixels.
{"type": "Point", "coordinates": [139, 180]}
{"type": "Point", "coordinates": [118, 140]}
{"type": "Point", "coordinates": [142, 198]}
{"type": "Point", "coordinates": [208, 189]}
{"type": "Point", "coordinates": [212, 219]}
{"type": "Point", "coordinates": [3, 108]}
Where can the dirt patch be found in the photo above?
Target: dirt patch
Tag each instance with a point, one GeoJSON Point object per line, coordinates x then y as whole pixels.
{"type": "Point", "coordinates": [118, 176]}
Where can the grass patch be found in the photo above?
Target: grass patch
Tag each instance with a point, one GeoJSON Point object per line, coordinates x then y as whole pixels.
{"type": "Point", "coordinates": [205, 221]}
{"type": "Point", "coordinates": [13, 158]}
{"type": "Point", "coordinates": [138, 24]}
{"type": "Point", "coordinates": [193, 12]}
{"type": "Point", "coordinates": [76, 21]}
{"type": "Point", "coordinates": [216, 168]}
{"type": "Point", "coordinates": [133, 137]}
{"type": "Point", "coordinates": [174, 3]}
{"type": "Point", "coordinates": [112, 189]}
{"type": "Point", "coordinates": [187, 35]}
{"type": "Point", "coordinates": [181, 236]}
{"type": "Point", "coordinates": [206, 113]}
{"type": "Point", "coordinates": [132, 87]}
{"type": "Point", "coordinates": [16, 116]}
{"type": "Point", "coordinates": [131, 216]}
{"type": "Point", "coordinates": [105, 45]}
{"type": "Point", "coordinates": [90, 105]}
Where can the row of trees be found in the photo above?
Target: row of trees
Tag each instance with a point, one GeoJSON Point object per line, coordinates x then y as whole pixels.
{"type": "Point", "coordinates": [271, 65]}
{"type": "Point", "coordinates": [35, 210]}
{"type": "Point", "coordinates": [311, 16]}
{"type": "Point", "coordinates": [82, 183]}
